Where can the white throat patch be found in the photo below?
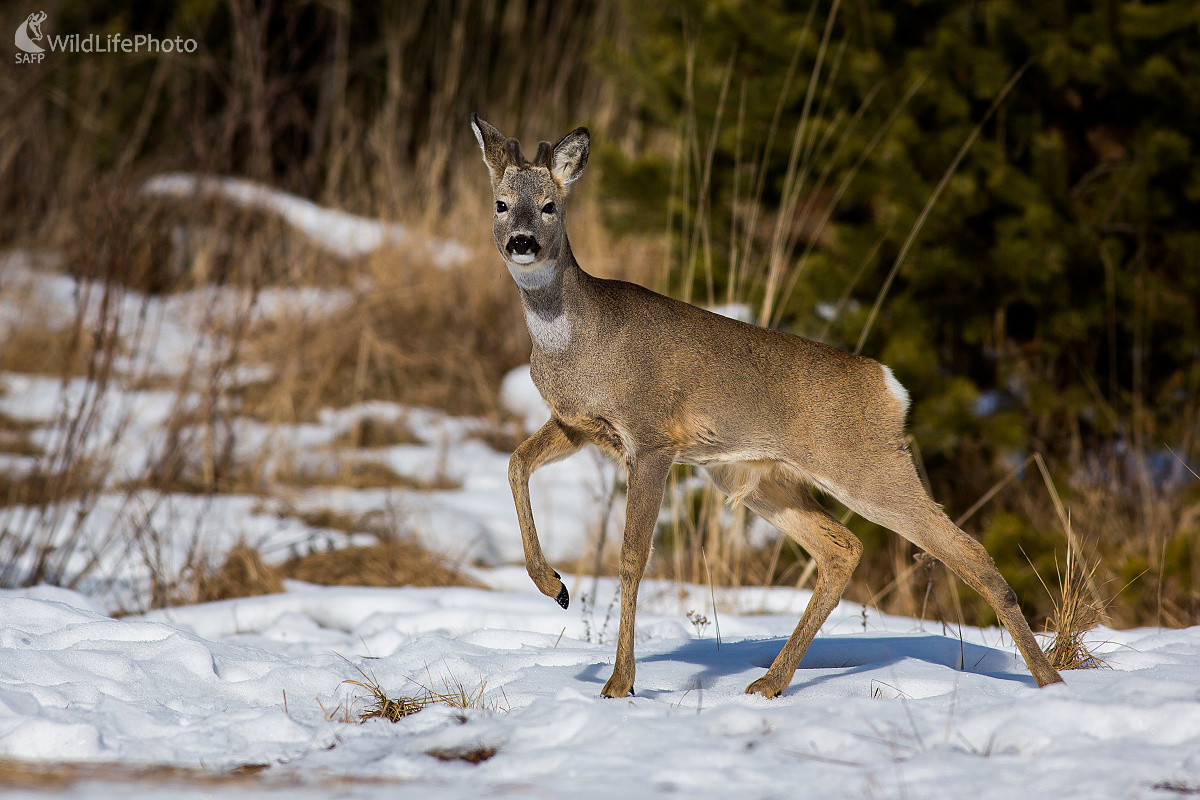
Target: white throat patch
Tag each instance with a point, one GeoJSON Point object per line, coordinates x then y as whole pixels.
{"type": "Point", "coordinates": [551, 336]}
{"type": "Point", "coordinates": [538, 277]}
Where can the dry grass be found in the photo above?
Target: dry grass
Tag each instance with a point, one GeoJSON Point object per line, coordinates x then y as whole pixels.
{"type": "Point", "coordinates": [453, 693]}
{"type": "Point", "coordinates": [504, 436]}
{"type": "Point", "coordinates": [370, 432]}
{"type": "Point", "coordinates": [358, 474]}
{"type": "Point", "coordinates": [41, 776]}
{"type": "Point", "coordinates": [242, 574]}
{"type": "Point", "coordinates": [390, 563]}
{"type": "Point", "coordinates": [16, 436]}
{"type": "Point", "coordinates": [376, 523]}
{"type": "Point", "coordinates": [706, 542]}
{"type": "Point", "coordinates": [419, 335]}
{"type": "Point", "coordinates": [39, 488]}
{"type": "Point", "coordinates": [1073, 616]}
{"type": "Point", "coordinates": [33, 347]}
{"type": "Point", "coordinates": [347, 469]}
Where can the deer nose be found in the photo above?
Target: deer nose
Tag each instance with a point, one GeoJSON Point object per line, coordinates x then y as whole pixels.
{"type": "Point", "coordinates": [522, 245]}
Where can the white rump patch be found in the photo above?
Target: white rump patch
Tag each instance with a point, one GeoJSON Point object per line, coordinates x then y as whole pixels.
{"type": "Point", "coordinates": [895, 387]}
{"type": "Point", "coordinates": [552, 336]}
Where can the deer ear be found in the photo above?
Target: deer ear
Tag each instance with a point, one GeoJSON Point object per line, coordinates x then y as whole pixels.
{"type": "Point", "coordinates": [570, 156]}
{"type": "Point", "coordinates": [493, 144]}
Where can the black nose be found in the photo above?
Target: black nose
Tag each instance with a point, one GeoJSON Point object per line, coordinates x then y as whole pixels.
{"type": "Point", "coordinates": [523, 245]}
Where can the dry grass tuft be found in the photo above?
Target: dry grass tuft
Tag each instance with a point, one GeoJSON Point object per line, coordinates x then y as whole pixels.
{"type": "Point", "coordinates": [503, 437]}
{"type": "Point", "coordinates": [454, 693]}
{"type": "Point", "coordinates": [383, 707]}
{"type": "Point", "coordinates": [39, 488]}
{"type": "Point", "coordinates": [242, 574]}
{"type": "Point", "coordinates": [359, 474]}
{"type": "Point", "coordinates": [1073, 616]}
{"type": "Point", "coordinates": [376, 523]}
{"type": "Point", "coordinates": [369, 432]}
{"type": "Point", "coordinates": [34, 348]}
{"type": "Point", "coordinates": [391, 562]}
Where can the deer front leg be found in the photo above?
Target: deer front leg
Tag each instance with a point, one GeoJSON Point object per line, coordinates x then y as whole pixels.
{"type": "Point", "coordinates": [551, 443]}
{"type": "Point", "coordinates": [647, 480]}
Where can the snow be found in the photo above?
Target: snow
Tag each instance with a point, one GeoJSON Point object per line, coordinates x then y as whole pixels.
{"type": "Point", "coordinates": [339, 232]}
{"type": "Point", "coordinates": [879, 708]}
{"type": "Point", "coordinates": [522, 399]}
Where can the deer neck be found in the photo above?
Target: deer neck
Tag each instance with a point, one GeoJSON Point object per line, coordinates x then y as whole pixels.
{"type": "Point", "coordinates": [551, 304]}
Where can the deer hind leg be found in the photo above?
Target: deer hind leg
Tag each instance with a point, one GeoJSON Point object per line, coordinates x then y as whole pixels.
{"type": "Point", "coordinates": [551, 443]}
{"type": "Point", "coordinates": [787, 504]}
{"type": "Point", "coordinates": [897, 500]}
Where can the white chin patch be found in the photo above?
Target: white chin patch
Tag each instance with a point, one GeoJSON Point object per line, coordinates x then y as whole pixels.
{"type": "Point", "coordinates": [523, 258]}
{"type": "Point", "coordinates": [532, 277]}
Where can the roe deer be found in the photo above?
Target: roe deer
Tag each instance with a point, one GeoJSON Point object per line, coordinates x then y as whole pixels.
{"type": "Point", "coordinates": [654, 381]}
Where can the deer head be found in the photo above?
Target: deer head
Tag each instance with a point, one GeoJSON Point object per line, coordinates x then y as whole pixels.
{"type": "Point", "coordinates": [529, 198]}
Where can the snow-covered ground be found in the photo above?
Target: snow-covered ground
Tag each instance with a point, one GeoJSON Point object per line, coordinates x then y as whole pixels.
{"type": "Point", "coordinates": [878, 708]}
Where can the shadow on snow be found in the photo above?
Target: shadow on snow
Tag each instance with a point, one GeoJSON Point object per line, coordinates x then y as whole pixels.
{"type": "Point", "coordinates": [836, 656]}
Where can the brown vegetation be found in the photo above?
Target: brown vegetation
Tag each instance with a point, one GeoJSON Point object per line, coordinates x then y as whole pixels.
{"type": "Point", "coordinates": [453, 693]}
{"type": "Point", "coordinates": [1073, 616]}
{"type": "Point", "coordinates": [15, 437]}
{"type": "Point", "coordinates": [389, 563]}
{"type": "Point", "coordinates": [32, 347]}
{"type": "Point", "coordinates": [371, 432]}
{"type": "Point", "coordinates": [364, 473]}
{"type": "Point", "coordinates": [242, 574]}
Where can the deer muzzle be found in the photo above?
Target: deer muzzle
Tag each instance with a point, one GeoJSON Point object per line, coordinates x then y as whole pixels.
{"type": "Point", "coordinates": [522, 248]}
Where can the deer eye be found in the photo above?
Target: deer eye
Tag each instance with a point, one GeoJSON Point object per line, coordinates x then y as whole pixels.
{"type": "Point", "coordinates": [548, 208]}
{"type": "Point", "coordinates": [501, 206]}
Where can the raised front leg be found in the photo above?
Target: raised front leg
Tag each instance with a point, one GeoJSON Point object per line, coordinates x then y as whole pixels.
{"type": "Point", "coordinates": [647, 479]}
{"type": "Point", "coordinates": [551, 443]}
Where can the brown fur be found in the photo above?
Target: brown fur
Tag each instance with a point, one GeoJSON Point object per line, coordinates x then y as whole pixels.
{"type": "Point", "coordinates": [654, 381]}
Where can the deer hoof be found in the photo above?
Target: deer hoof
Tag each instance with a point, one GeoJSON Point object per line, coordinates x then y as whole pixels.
{"type": "Point", "coordinates": [564, 598]}
{"type": "Point", "coordinates": [613, 689]}
{"type": "Point", "coordinates": [764, 687]}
